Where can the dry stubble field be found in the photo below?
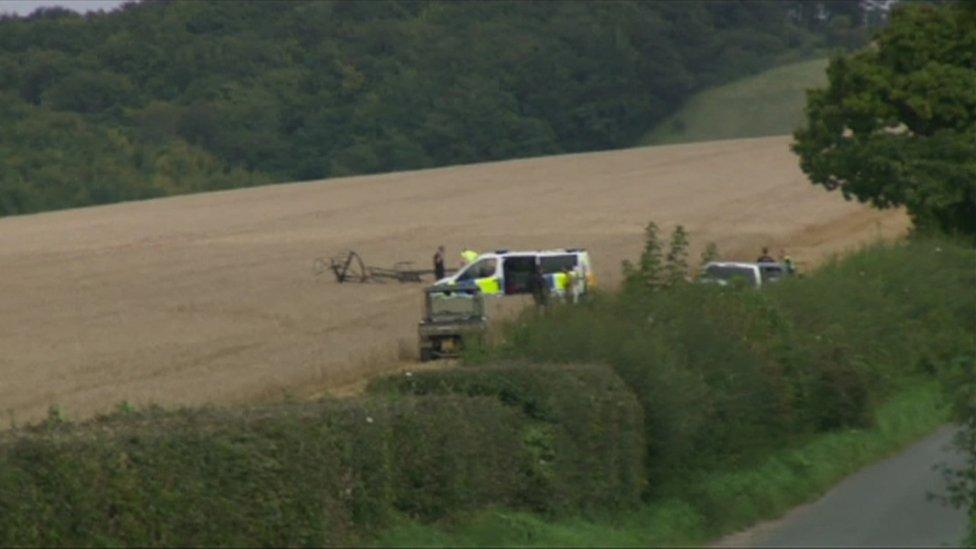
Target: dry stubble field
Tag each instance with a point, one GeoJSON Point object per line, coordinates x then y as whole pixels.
{"type": "Point", "coordinates": [210, 298]}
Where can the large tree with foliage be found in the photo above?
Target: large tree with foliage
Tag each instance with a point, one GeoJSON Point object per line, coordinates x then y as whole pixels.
{"type": "Point", "coordinates": [896, 125]}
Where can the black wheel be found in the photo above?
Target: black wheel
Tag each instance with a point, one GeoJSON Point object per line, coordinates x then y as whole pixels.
{"type": "Point", "coordinates": [426, 354]}
{"type": "Point", "coordinates": [347, 266]}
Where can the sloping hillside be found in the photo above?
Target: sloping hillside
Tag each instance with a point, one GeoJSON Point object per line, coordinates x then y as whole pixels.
{"type": "Point", "coordinates": [210, 298]}
{"type": "Point", "coordinates": [769, 103]}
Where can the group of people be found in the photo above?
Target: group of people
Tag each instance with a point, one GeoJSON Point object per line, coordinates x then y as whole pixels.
{"type": "Point", "coordinates": [569, 283]}
{"type": "Point", "coordinates": [785, 259]}
{"type": "Point", "coordinates": [540, 286]}
{"type": "Point", "coordinates": [440, 271]}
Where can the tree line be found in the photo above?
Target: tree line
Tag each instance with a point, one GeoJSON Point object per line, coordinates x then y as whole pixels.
{"type": "Point", "coordinates": [167, 97]}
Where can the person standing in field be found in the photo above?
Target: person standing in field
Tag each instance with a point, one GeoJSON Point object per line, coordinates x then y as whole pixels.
{"type": "Point", "coordinates": [439, 271]}
{"type": "Point", "coordinates": [765, 257]}
{"type": "Point", "coordinates": [468, 256]}
{"type": "Point", "coordinates": [788, 262]}
{"type": "Point", "coordinates": [539, 287]}
{"type": "Point", "coordinates": [570, 292]}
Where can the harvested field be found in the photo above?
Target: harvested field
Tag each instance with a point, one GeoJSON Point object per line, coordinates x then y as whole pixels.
{"type": "Point", "coordinates": [211, 298]}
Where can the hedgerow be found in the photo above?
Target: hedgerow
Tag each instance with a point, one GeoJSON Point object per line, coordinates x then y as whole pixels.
{"type": "Point", "coordinates": [585, 432]}
{"type": "Point", "coordinates": [724, 374]}
{"type": "Point", "coordinates": [290, 475]}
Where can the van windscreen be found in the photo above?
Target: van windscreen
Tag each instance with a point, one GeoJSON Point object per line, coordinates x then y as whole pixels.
{"type": "Point", "coordinates": [558, 263]}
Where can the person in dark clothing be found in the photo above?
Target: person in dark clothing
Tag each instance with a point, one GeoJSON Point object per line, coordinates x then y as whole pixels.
{"type": "Point", "coordinates": [765, 257]}
{"type": "Point", "coordinates": [439, 263]}
{"type": "Point", "coordinates": [539, 286]}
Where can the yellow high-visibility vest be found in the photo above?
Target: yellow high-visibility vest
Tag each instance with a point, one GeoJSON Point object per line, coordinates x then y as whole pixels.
{"type": "Point", "coordinates": [469, 256]}
{"type": "Point", "coordinates": [560, 281]}
{"type": "Point", "coordinates": [489, 286]}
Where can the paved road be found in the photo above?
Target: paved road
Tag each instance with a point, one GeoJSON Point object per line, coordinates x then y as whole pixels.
{"type": "Point", "coordinates": [883, 505]}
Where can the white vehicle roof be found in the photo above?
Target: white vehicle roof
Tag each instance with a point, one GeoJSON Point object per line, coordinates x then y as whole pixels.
{"type": "Point", "coordinates": [584, 258]}
{"type": "Point", "coordinates": [742, 264]}
{"type": "Point", "coordinates": [555, 251]}
{"type": "Point", "coordinates": [709, 275]}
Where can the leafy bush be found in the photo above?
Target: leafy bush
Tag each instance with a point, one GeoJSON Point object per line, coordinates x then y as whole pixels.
{"type": "Point", "coordinates": [690, 357]}
{"type": "Point", "coordinates": [292, 475]}
{"type": "Point", "coordinates": [724, 374]}
{"type": "Point", "coordinates": [710, 503]}
{"type": "Point", "coordinates": [454, 454]}
{"type": "Point", "coordinates": [586, 437]}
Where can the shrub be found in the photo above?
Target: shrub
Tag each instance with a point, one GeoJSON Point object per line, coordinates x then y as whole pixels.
{"type": "Point", "coordinates": [291, 475]}
{"type": "Point", "coordinates": [724, 374]}
{"type": "Point", "coordinates": [585, 438]}
{"type": "Point", "coordinates": [454, 454]}
{"type": "Point", "coordinates": [695, 359]}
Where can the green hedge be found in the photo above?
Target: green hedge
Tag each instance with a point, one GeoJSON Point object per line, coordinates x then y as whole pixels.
{"type": "Point", "coordinates": [293, 475]}
{"type": "Point", "coordinates": [585, 435]}
{"type": "Point", "coordinates": [556, 439]}
{"type": "Point", "coordinates": [726, 375]}
{"type": "Point", "coordinates": [712, 503]}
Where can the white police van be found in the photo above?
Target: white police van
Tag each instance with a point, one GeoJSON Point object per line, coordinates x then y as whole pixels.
{"type": "Point", "coordinates": [505, 272]}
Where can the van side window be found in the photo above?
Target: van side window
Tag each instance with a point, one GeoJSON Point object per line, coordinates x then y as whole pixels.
{"type": "Point", "coordinates": [481, 269]}
{"type": "Point", "coordinates": [558, 263]}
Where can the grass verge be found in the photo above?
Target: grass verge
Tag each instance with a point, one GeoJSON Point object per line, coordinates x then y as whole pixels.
{"type": "Point", "coordinates": [714, 503]}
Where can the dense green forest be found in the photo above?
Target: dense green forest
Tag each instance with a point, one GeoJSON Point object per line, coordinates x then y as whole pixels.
{"type": "Point", "coordinates": [163, 97]}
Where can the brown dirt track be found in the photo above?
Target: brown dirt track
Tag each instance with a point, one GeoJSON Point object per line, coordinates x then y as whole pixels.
{"type": "Point", "coordinates": [211, 298]}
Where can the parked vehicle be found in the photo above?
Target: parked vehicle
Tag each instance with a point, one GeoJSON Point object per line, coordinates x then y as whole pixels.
{"type": "Point", "coordinates": [505, 272]}
{"type": "Point", "coordinates": [772, 271]}
{"type": "Point", "coordinates": [755, 275]}
{"type": "Point", "coordinates": [452, 314]}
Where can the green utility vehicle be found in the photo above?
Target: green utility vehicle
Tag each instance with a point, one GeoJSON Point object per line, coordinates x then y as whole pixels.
{"type": "Point", "coordinates": [452, 315]}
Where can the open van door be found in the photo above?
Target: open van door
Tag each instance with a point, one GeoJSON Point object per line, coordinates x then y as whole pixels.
{"type": "Point", "coordinates": [517, 273]}
{"type": "Point", "coordinates": [555, 266]}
